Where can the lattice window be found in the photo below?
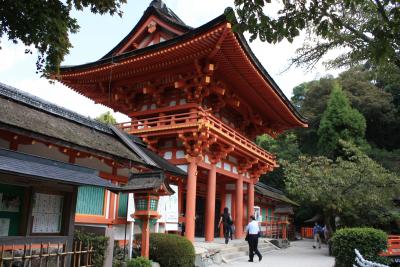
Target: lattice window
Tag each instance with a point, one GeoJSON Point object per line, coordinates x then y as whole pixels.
{"type": "Point", "coordinates": [141, 204]}
{"type": "Point", "coordinates": [153, 204]}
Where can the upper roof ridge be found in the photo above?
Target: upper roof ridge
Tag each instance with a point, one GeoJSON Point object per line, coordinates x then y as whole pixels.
{"type": "Point", "coordinates": [161, 7]}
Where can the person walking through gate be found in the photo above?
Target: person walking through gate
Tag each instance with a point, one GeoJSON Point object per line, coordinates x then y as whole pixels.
{"type": "Point", "coordinates": [226, 221]}
{"type": "Point", "coordinates": [317, 230]}
{"type": "Point", "coordinates": [253, 231]}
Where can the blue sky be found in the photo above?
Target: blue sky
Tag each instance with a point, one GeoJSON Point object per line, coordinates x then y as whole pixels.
{"type": "Point", "coordinates": [98, 34]}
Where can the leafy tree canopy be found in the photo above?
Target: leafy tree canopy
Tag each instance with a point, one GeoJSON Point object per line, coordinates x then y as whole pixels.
{"type": "Point", "coordinates": [363, 30]}
{"type": "Point", "coordinates": [106, 118]}
{"type": "Point", "coordinates": [366, 90]}
{"type": "Point", "coordinates": [47, 24]}
{"type": "Point", "coordinates": [285, 147]}
{"type": "Point", "coordinates": [353, 187]}
{"type": "Point", "coordinates": [339, 122]}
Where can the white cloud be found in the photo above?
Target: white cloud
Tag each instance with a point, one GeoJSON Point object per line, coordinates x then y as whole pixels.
{"type": "Point", "coordinates": [63, 96]}
{"type": "Point", "coordinates": [10, 54]}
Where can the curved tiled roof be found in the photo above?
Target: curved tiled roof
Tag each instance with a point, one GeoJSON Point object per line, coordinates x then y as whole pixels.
{"type": "Point", "coordinates": [106, 61]}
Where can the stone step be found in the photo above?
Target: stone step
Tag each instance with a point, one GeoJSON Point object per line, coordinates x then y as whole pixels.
{"type": "Point", "coordinates": [231, 254]}
{"type": "Point", "coordinates": [244, 247]}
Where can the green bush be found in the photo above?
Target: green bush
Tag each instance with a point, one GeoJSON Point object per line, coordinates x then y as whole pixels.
{"type": "Point", "coordinates": [138, 262]}
{"type": "Point", "coordinates": [98, 242]}
{"type": "Point", "coordinates": [171, 250]}
{"type": "Point", "coordinates": [369, 241]}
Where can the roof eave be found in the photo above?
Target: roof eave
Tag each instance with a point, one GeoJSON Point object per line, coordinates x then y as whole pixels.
{"type": "Point", "coordinates": [300, 121]}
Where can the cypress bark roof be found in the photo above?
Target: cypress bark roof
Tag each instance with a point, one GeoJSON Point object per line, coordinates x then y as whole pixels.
{"type": "Point", "coordinates": [27, 112]}
{"type": "Point", "coordinates": [273, 193]}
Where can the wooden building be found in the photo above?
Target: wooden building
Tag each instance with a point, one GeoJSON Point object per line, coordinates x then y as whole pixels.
{"type": "Point", "coordinates": [198, 97]}
{"type": "Point", "coordinates": [60, 170]}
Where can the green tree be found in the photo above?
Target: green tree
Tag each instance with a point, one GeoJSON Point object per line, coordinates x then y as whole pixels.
{"type": "Point", "coordinates": [339, 121]}
{"type": "Point", "coordinates": [312, 107]}
{"type": "Point", "coordinates": [46, 25]}
{"type": "Point", "coordinates": [106, 118]}
{"type": "Point", "coordinates": [368, 92]}
{"type": "Point", "coordinates": [376, 105]}
{"type": "Point", "coordinates": [353, 187]}
{"type": "Point", "coordinates": [286, 148]}
{"type": "Point", "coordinates": [369, 30]}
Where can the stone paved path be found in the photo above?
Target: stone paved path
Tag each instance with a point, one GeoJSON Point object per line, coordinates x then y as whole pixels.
{"type": "Point", "coordinates": [299, 254]}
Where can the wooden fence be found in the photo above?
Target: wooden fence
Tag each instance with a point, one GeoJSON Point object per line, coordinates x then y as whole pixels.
{"type": "Point", "coordinates": [47, 255]}
{"type": "Point", "coordinates": [306, 232]}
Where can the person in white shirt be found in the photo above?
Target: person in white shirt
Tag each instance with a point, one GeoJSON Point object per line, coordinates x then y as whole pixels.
{"type": "Point", "coordinates": [253, 230]}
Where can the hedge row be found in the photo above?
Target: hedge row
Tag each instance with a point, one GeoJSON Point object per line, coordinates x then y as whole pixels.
{"type": "Point", "coordinates": [370, 242]}
{"type": "Point", "coordinates": [171, 250]}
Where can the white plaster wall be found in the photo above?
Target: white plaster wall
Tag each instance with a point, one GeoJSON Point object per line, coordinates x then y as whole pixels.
{"type": "Point", "coordinates": [93, 163]}
{"type": "Point", "coordinates": [228, 202]}
{"type": "Point", "coordinates": [123, 172]}
{"type": "Point", "coordinates": [43, 150]}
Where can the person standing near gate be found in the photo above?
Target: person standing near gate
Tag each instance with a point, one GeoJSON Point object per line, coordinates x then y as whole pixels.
{"type": "Point", "coordinates": [253, 231]}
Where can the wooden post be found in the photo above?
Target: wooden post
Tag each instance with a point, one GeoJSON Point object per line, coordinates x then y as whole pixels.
{"type": "Point", "coordinates": [191, 200]}
{"type": "Point", "coordinates": [2, 255]}
{"type": "Point", "coordinates": [145, 239]}
{"type": "Point", "coordinates": [239, 208]}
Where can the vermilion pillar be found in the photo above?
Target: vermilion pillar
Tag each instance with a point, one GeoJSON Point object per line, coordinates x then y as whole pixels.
{"type": "Point", "coordinates": [239, 208]}
{"type": "Point", "coordinates": [145, 238]}
{"type": "Point", "coordinates": [210, 205]}
{"type": "Point", "coordinates": [250, 199]}
{"type": "Point", "coordinates": [191, 200]}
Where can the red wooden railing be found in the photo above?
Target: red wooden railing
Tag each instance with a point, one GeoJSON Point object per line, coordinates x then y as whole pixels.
{"type": "Point", "coordinates": [393, 246]}
{"type": "Point", "coordinates": [232, 134]}
{"type": "Point", "coordinates": [275, 228]}
{"type": "Point", "coordinates": [193, 119]}
{"type": "Point", "coordinates": [306, 232]}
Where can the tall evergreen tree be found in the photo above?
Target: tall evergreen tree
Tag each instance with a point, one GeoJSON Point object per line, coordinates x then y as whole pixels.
{"type": "Point", "coordinates": [339, 121]}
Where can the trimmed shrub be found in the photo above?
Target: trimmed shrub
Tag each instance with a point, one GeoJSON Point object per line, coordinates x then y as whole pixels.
{"type": "Point", "coordinates": [171, 250]}
{"type": "Point", "coordinates": [138, 262]}
{"type": "Point", "coordinates": [369, 241]}
{"type": "Point", "coordinates": [98, 242]}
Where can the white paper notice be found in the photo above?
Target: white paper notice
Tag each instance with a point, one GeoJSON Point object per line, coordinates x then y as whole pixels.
{"type": "Point", "coordinates": [47, 213]}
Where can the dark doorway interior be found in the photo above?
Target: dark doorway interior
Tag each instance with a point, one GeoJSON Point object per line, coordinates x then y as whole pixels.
{"type": "Point", "coordinates": [217, 216]}
{"type": "Point", "coordinates": [201, 217]}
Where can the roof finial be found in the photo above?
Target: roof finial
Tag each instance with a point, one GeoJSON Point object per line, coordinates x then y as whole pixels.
{"type": "Point", "coordinates": [157, 3]}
